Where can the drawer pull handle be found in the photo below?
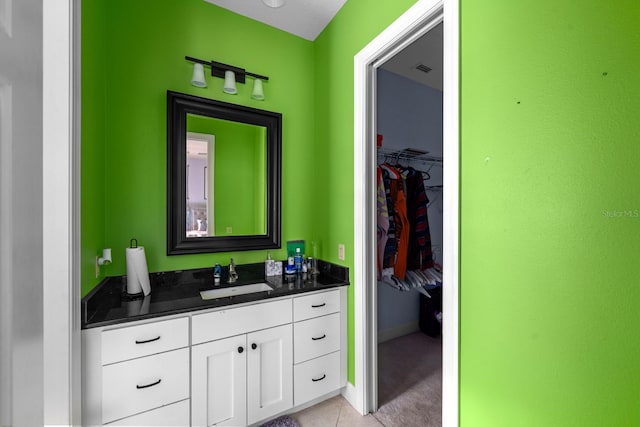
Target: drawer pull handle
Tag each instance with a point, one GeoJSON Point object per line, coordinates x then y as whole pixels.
{"type": "Point", "coordinates": [319, 305]}
{"type": "Point", "coordinates": [319, 338]}
{"type": "Point", "coordinates": [146, 341]}
{"type": "Point", "coordinates": [148, 385]}
{"type": "Point", "coordinates": [319, 379]}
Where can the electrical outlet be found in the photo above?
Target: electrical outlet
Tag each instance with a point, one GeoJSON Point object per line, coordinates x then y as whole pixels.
{"type": "Point", "coordinates": [97, 267]}
{"type": "Point", "coordinates": [229, 230]}
{"type": "Point", "coordinates": [341, 251]}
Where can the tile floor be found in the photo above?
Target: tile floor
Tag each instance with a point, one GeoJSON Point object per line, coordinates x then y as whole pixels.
{"type": "Point", "coordinates": [334, 412]}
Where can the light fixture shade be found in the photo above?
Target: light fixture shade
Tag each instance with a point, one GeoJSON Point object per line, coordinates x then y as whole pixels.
{"type": "Point", "coordinates": [274, 3]}
{"type": "Point", "coordinates": [257, 93]}
{"type": "Point", "coordinates": [230, 83]}
{"type": "Point", "coordinates": [198, 75]}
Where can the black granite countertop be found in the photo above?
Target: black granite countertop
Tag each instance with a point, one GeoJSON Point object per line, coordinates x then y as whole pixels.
{"type": "Point", "coordinates": [174, 292]}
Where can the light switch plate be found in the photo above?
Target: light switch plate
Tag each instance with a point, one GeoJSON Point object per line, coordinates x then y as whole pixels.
{"type": "Point", "coordinates": [341, 251]}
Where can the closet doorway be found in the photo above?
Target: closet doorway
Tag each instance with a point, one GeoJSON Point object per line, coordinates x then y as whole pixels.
{"type": "Point", "coordinates": [419, 20]}
{"type": "Point", "coordinates": [409, 215]}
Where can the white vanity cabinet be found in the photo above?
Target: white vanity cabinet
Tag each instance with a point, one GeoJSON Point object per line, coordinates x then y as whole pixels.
{"type": "Point", "coordinates": [318, 345]}
{"type": "Point", "coordinates": [245, 378]}
{"type": "Point", "coordinates": [137, 373]}
{"type": "Point", "coordinates": [236, 365]}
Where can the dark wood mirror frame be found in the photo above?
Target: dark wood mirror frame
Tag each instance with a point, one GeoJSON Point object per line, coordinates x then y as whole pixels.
{"type": "Point", "coordinates": [178, 106]}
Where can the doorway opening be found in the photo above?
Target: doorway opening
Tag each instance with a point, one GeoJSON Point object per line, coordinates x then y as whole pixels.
{"type": "Point", "coordinates": [409, 213]}
{"type": "Point", "coordinates": [423, 17]}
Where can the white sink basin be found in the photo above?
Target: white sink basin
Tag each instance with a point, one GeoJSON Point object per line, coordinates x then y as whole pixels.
{"type": "Point", "coordinates": [236, 290]}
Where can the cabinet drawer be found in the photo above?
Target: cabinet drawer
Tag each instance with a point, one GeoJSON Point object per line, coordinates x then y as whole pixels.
{"type": "Point", "coordinates": [316, 337]}
{"type": "Point", "coordinates": [236, 321]}
{"type": "Point", "coordinates": [146, 383]}
{"type": "Point", "coordinates": [316, 305]}
{"type": "Point", "coordinates": [174, 415]}
{"type": "Point", "coordinates": [143, 340]}
{"type": "Point", "coordinates": [316, 377]}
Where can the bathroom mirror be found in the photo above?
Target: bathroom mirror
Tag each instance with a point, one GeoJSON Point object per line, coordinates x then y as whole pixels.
{"type": "Point", "coordinates": [223, 176]}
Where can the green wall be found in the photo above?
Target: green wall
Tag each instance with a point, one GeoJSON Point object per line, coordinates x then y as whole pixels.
{"type": "Point", "coordinates": [549, 99]}
{"type": "Point", "coordinates": [93, 129]}
{"type": "Point", "coordinates": [141, 56]}
{"type": "Point", "coordinates": [549, 211]}
{"type": "Point", "coordinates": [549, 280]}
{"type": "Point", "coordinates": [352, 29]}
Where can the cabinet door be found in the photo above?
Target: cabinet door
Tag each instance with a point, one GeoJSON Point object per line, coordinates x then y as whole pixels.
{"type": "Point", "coordinates": [218, 382]}
{"type": "Point", "coordinates": [269, 372]}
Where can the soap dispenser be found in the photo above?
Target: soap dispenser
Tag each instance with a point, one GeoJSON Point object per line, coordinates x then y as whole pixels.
{"type": "Point", "coordinates": [269, 266]}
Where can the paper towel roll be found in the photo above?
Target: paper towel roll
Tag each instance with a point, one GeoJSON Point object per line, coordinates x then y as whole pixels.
{"type": "Point", "coordinates": [137, 272]}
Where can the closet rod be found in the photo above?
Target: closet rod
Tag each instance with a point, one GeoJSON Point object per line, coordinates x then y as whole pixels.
{"type": "Point", "coordinates": [420, 171]}
{"type": "Point", "coordinates": [409, 155]}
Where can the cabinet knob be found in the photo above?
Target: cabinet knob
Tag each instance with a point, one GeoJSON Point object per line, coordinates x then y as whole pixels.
{"type": "Point", "coordinates": [254, 346]}
{"type": "Point", "coordinates": [240, 349]}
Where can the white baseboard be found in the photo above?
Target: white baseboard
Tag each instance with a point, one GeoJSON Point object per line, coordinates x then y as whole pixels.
{"type": "Point", "coordinates": [350, 395]}
{"type": "Point", "coordinates": [398, 331]}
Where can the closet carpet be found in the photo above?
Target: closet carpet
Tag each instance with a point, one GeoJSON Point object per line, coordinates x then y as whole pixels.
{"type": "Point", "coordinates": [410, 381]}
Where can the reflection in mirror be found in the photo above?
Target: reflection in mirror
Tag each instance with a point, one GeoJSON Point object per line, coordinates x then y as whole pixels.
{"type": "Point", "coordinates": [223, 176]}
{"type": "Point", "coordinates": [200, 178]}
{"type": "Point", "coordinates": [233, 180]}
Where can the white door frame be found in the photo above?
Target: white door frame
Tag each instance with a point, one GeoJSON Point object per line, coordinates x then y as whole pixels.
{"type": "Point", "coordinates": [415, 22]}
{"type": "Point", "coordinates": [61, 212]}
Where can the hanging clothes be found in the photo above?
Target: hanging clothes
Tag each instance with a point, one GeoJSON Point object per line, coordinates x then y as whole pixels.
{"type": "Point", "coordinates": [390, 247]}
{"type": "Point", "coordinates": [397, 245]}
{"type": "Point", "coordinates": [402, 228]}
{"type": "Point", "coordinates": [405, 257]}
{"type": "Point", "coordinates": [383, 220]}
{"type": "Point", "coordinates": [420, 256]}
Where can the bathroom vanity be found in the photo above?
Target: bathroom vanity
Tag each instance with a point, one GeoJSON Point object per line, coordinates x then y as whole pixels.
{"type": "Point", "coordinates": [176, 359]}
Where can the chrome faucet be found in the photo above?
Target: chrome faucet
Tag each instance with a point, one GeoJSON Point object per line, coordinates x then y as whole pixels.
{"type": "Point", "coordinates": [233, 275]}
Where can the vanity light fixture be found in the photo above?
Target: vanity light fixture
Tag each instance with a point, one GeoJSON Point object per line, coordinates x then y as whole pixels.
{"type": "Point", "coordinates": [274, 3]}
{"type": "Point", "coordinates": [197, 78]}
{"type": "Point", "coordinates": [230, 83]}
{"type": "Point", "coordinates": [257, 93]}
{"type": "Point", "coordinates": [231, 75]}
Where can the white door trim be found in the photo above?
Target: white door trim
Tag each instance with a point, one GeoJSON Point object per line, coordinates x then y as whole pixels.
{"type": "Point", "coordinates": [61, 212]}
{"type": "Point", "coordinates": [408, 27]}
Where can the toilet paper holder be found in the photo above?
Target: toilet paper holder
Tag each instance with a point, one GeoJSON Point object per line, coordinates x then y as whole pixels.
{"type": "Point", "coordinates": [105, 259]}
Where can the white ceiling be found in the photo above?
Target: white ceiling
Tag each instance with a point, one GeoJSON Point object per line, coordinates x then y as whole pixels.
{"type": "Point", "coordinates": [427, 50]}
{"type": "Point", "coordinates": [307, 19]}
{"type": "Point", "coordinates": [303, 18]}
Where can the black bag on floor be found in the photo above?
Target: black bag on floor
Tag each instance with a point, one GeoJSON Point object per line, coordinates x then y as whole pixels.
{"type": "Point", "coordinates": [431, 312]}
